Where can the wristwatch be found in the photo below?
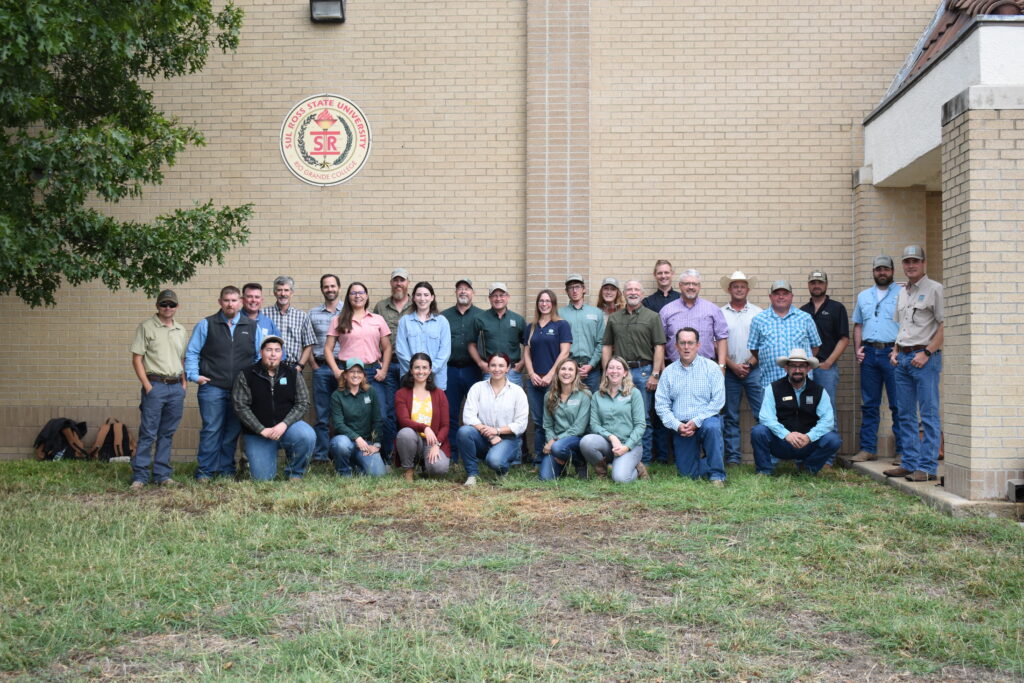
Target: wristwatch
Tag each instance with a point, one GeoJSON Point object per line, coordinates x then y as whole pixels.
{"type": "Point", "coordinates": [927, 352]}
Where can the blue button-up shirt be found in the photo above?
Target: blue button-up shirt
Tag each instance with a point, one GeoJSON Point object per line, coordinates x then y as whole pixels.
{"type": "Point", "coordinates": [695, 392]}
{"type": "Point", "coordinates": [773, 336]}
{"type": "Point", "coordinates": [876, 315]}
{"type": "Point", "coordinates": [826, 417]}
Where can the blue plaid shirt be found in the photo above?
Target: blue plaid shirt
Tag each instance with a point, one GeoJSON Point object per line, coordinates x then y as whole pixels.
{"type": "Point", "coordinates": [773, 336]}
{"type": "Point", "coordinates": [689, 393]}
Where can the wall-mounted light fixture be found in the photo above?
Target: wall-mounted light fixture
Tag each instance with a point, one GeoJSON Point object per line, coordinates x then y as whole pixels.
{"type": "Point", "coordinates": [327, 10]}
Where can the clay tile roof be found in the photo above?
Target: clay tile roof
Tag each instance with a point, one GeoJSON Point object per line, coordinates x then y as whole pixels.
{"type": "Point", "coordinates": [951, 18]}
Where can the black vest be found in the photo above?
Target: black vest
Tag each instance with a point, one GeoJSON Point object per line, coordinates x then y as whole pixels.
{"type": "Point", "coordinates": [273, 399]}
{"type": "Point", "coordinates": [223, 356]}
{"type": "Point", "coordinates": [796, 418]}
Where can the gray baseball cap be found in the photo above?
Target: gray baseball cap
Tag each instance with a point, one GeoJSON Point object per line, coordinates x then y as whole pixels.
{"type": "Point", "coordinates": [781, 284]}
{"type": "Point", "coordinates": [466, 280]}
{"type": "Point", "coordinates": [399, 272]}
{"type": "Point", "coordinates": [882, 261]}
{"type": "Point", "coordinates": [495, 286]}
{"type": "Point", "coordinates": [574, 277]}
{"type": "Point", "coordinates": [610, 281]}
{"type": "Point", "coordinates": [913, 251]}
{"type": "Point", "coordinates": [817, 275]}
{"type": "Point", "coordinates": [271, 338]}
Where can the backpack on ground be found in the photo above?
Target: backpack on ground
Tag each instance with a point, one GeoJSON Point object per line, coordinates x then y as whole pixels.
{"type": "Point", "coordinates": [113, 440]}
{"type": "Point", "coordinates": [61, 438]}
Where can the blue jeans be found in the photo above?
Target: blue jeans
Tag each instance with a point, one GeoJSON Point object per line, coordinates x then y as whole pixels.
{"type": "Point", "coordinates": [661, 437]}
{"type": "Point", "coordinates": [346, 455]}
{"type": "Point", "coordinates": [814, 455]}
{"type": "Point", "coordinates": [459, 382]}
{"type": "Point", "coordinates": [565, 449]}
{"type": "Point", "coordinates": [829, 381]}
{"type": "Point", "coordinates": [593, 380]}
{"type": "Point", "coordinates": [918, 390]}
{"type": "Point", "coordinates": [324, 385]}
{"type": "Point", "coordinates": [876, 372]}
{"type": "Point", "coordinates": [535, 397]}
{"type": "Point", "coordinates": [161, 411]}
{"type": "Point", "coordinates": [298, 442]}
{"type": "Point", "coordinates": [390, 387]}
{"type": "Point", "coordinates": [596, 449]}
{"type": "Point", "coordinates": [498, 457]}
{"type": "Point", "coordinates": [734, 390]}
{"type": "Point", "coordinates": [687, 450]}
{"type": "Point", "coordinates": [640, 376]}
{"type": "Point", "coordinates": [218, 437]}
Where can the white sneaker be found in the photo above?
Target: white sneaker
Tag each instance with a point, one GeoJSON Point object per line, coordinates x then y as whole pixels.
{"type": "Point", "coordinates": [470, 481]}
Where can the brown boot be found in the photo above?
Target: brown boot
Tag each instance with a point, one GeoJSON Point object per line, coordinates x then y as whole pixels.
{"type": "Point", "coordinates": [408, 475]}
{"type": "Point", "coordinates": [641, 471]}
{"type": "Point", "coordinates": [864, 456]}
{"type": "Point", "coordinates": [896, 472]}
{"type": "Point", "coordinates": [601, 470]}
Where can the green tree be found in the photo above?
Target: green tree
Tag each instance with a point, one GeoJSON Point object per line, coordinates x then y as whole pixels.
{"type": "Point", "coordinates": [77, 125]}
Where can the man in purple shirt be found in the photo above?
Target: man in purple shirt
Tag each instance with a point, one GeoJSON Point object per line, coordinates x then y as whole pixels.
{"type": "Point", "coordinates": [692, 311]}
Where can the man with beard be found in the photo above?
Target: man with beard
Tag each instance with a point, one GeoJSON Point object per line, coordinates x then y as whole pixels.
{"type": "Point", "coordinates": [322, 318]}
{"type": "Point", "coordinates": [874, 333]}
{"type": "Point", "coordinates": [796, 419]}
{"type": "Point", "coordinates": [462, 369]}
{"type": "Point", "coordinates": [636, 335]}
{"type": "Point", "coordinates": [587, 325]}
{"type": "Point", "coordinates": [252, 308]}
{"type": "Point", "coordinates": [834, 329]}
{"type": "Point", "coordinates": [392, 309]}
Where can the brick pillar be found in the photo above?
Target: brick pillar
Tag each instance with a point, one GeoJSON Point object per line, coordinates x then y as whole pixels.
{"type": "Point", "coordinates": [884, 221]}
{"type": "Point", "coordinates": [983, 211]}
{"type": "Point", "coordinates": [558, 143]}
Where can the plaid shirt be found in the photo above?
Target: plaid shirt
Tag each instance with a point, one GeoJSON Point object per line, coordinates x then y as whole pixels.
{"type": "Point", "coordinates": [773, 336]}
{"type": "Point", "coordinates": [296, 330]}
{"type": "Point", "coordinates": [689, 393]}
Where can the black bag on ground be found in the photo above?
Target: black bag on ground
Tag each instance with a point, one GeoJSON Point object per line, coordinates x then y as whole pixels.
{"type": "Point", "coordinates": [113, 440]}
{"type": "Point", "coordinates": [61, 438]}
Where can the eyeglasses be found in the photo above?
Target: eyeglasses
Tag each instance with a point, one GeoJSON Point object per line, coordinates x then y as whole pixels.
{"type": "Point", "coordinates": [167, 304]}
{"type": "Point", "coordinates": [687, 343]}
{"type": "Point", "coordinates": [357, 293]}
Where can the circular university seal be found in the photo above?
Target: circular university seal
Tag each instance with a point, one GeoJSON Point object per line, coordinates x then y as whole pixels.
{"type": "Point", "coordinates": [325, 140]}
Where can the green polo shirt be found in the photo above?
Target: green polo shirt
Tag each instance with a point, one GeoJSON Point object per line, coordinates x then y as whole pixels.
{"type": "Point", "coordinates": [386, 309]}
{"type": "Point", "coordinates": [161, 347]}
{"type": "Point", "coordinates": [463, 327]}
{"type": "Point", "coordinates": [356, 415]}
{"type": "Point", "coordinates": [501, 335]}
{"type": "Point", "coordinates": [634, 335]}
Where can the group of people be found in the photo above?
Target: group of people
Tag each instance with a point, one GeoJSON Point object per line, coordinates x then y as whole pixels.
{"type": "Point", "coordinates": [608, 387]}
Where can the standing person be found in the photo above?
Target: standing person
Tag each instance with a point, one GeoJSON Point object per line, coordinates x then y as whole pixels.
{"type": "Point", "coordinates": [689, 397]}
{"type": "Point", "coordinates": [917, 357]}
{"type": "Point", "coordinates": [834, 330]}
{"type": "Point", "coordinates": [548, 341]}
{"type": "Point", "coordinates": [252, 306]}
{"type": "Point", "coordinates": [690, 310]}
{"type": "Point", "coordinates": [158, 352]}
{"type": "Point", "coordinates": [221, 346]}
{"type": "Point", "coordinates": [270, 399]}
{"type": "Point", "coordinates": [499, 330]}
{"type": "Point", "coordinates": [494, 421]}
{"type": "Point", "coordinates": [796, 419]}
{"type": "Point", "coordinates": [463, 371]}
{"type": "Point", "coordinates": [392, 309]}
{"type": "Point", "coordinates": [425, 330]}
{"type": "Point", "coordinates": [664, 294]}
{"type": "Point", "coordinates": [423, 420]}
{"type": "Point", "coordinates": [587, 326]}
{"type": "Point", "coordinates": [742, 372]}
{"type": "Point", "coordinates": [364, 335]}
{"type": "Point", "coordinates": [322, 318]}
{"type": "Point", "coordinates": [874, 333]}
{"type": "Point", "coordinates": [636, 335]}
{"type": "Point", "coordinates": [618, 419]}
{"type": "Point", "coordinates": [566, 418]}
{"type": "Point", "coordinates": [609, 297]}
{"type": "Point", "coordinates": [356, 418]}
{"type": "Point", "coordinates": [778, 329]}
{"type": "Point", "coordinates": [293, 323]}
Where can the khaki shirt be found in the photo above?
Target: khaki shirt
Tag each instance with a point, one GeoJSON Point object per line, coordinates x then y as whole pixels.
{"type": "Point", "coordinates": [386, 309]}
{"type": "Point", "coordinates": [161, 347]}
{"type": "Point", "coordinates": [918, 312]}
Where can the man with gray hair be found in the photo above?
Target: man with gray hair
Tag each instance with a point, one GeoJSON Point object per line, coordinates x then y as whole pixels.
{"type": "Point", "coordinates": [690, 310]}
{"type": "Point", "coordinates": [293, 324]}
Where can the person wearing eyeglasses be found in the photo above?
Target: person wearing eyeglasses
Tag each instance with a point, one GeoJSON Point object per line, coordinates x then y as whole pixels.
{"type": "Point", "coordinates": [158, 353]}
{"type": "Point", "coordinates": [689, 398]}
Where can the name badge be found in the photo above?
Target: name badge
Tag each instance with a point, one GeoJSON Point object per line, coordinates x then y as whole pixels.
{"type": "Point", "coordinates": [572, 402]}
{"type": "Point", "coordinates": [920, 297]}
{"type": "Point", "coordinates": [809, 401]}
{"type": "Point", "coordinates": [591, 316]}
{"type": "Point", "coordinates": [511, 323]}
{"type": "Point", "coordinates": [787, 398]}
{"type": "Point", "coordinates": [284, 380]}
{"type": "Point", "coordinates": [366, 399]}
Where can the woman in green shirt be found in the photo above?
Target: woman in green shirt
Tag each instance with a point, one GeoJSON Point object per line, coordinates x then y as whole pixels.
{"type": "Point", "coordinates": [355, 416]}
{"type": "Point", "coordinates": [566, 416]}
{"type": "Point", "coordinates": [617, 424]}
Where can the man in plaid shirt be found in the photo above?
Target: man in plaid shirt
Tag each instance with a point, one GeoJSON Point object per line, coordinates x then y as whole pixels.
{"type": "Point", "coordinates": [780, 329]}
{"type": "Point", "coordinates": [293, 324]}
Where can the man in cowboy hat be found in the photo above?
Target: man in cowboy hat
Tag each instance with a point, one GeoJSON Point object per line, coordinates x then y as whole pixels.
{"type": "Point", "coordinates": [796, 419]}
{"type": "Point", "coordinates": [742, 374]}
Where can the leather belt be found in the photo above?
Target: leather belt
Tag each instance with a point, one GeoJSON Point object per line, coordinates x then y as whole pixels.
{"type": "Point", "coordinates": [634, 364]}
{"type": "Point", "coordinates": [879, 345]}
{"type": "Point", "coordinates": [164, 379]}
{"type": "Point", "coordinates": [913, 349]}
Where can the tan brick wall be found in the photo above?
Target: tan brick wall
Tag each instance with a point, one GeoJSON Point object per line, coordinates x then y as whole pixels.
{"type": "Point", "coordinates": [983, 206]}
{"type": "Point", "coordinates": [719, 139]}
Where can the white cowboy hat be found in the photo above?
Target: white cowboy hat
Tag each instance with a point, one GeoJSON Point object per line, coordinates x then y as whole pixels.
{"type": "Point", "coordinates": [797, 355]}
{"type": "Point", "coordinates": [736, 276]}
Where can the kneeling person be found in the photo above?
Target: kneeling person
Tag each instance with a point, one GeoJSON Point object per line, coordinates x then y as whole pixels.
{"type": "Point", "coordinates": [689, 397]}
{"type": "Point", "coordinates": [270, 400]}
{"type": "Point", "coordinates": [796, 419]}
{"type": "Point", "coordinates": [357, 420]}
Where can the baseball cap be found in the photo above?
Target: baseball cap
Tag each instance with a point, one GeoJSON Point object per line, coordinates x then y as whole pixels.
{"type": "Point", "coordinates": [882, 262]}
{"type": "Point", "coordinates": [781, 284]}
{"type": "Point", "coordinates": [913, 251]}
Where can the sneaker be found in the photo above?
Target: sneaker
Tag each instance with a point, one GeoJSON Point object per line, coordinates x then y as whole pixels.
{"type": "Point", "coordinates": [137, 486]}
{"type": "Point", "coordinates": [718, 483]}
{"type": "Point", "coordinates": [168, 484]}
{"type": "Point", "coordinates": [470, 481]}
{"type": "Point", "coordinates": [863, 456]}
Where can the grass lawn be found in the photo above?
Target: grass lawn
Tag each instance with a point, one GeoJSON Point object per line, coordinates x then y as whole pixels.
{"type": "Point", "coordinates": [787, 578]}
